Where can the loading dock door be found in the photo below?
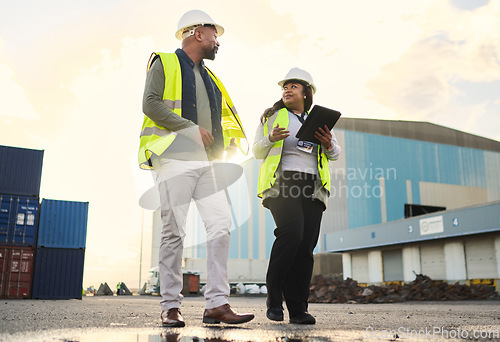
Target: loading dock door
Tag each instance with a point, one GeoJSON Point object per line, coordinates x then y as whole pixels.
{"type": "Point", "coordinates": [480, 259]}
{"type": "Point", "coordinates": [360, 267]}
{"type": "Point", "coordinates": [432, 261]}
{"type": "Point", "coordinates": [393, 265]}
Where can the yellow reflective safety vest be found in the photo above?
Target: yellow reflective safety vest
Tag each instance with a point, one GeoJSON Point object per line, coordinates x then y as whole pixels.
{"type": "Point", "coordinates": [267, 173]}
{"type": "Point", "coordinates": [156, 139]}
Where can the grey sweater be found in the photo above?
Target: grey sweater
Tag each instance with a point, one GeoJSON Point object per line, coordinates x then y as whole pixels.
{"type": "Point", "coordinates": [187, 144]}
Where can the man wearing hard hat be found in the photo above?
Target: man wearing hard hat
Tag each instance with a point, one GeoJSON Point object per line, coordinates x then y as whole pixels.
{"type": "Point", "coordinates": [189, 122]}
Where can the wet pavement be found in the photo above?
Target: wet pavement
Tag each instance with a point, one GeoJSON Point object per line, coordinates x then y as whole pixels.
{"type": "Point", "coordinates": [136, 318]}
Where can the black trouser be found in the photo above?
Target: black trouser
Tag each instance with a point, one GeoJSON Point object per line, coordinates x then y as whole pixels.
{"type": "Point", "coordinates": [298, 218]}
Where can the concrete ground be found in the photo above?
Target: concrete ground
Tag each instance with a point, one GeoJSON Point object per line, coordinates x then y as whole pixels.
{"type": "Point", "coordinates": [136, 318]}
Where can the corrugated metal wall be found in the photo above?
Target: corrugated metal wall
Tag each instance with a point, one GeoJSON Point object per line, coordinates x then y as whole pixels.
{"type": "Point", "coordinates": [434, 173]}
{"type": "Point", "coordinates": [451, 196]}
{"type": "Point", "coordinates": [20, 171]}
{"type": "Point", "coordinates": [58, 273]}
{"type": "Point", "coordinates": [393, 265]}
{"type": "Point", "coordinates": [16, 271]}
{"type": "Point", "coordinates": [18, 220]}
{"type": "Point", "coordinates": [63, 224]}
{"type": "Point", "coordinates": [492, 165]}
{"type": "Point", "coordinates": [360, 270]}
{"type": "Point", "coordinates": [480, 258]}
{"type": "Point", "coordinates": [335, 218]}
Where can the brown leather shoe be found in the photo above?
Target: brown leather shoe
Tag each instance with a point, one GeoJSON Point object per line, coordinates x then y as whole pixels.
{"type": "Point", "coordinates": [172, 318]}
{"type": "Point", "coordinates": [225, 314]}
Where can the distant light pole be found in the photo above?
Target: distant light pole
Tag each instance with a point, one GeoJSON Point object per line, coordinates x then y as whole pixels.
{"type": "Point", "coordinates": [140, 258]}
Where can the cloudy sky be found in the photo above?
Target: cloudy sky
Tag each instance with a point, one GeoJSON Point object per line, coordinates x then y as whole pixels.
{"type": "Point", "coordinates": [72, 76]}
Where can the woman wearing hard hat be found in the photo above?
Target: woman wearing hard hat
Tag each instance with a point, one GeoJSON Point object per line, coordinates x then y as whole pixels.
{"type": "Point", "coordinates": [294, 183]}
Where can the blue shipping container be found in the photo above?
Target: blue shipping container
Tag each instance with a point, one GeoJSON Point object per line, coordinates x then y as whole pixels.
{"type": "Point", "coordinates": [20, 171]}
{"type": "Point", "coordinates": [58, 273]}
{"type": "Point", "coordinates": [18, 220]}
{"type": "Point", "coordinates": [63, 224]}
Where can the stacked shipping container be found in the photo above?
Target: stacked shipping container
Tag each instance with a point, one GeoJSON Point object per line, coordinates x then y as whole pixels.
{"type": "Point", "coordinates": [60, 251]}
{"type": "Point", "coordinates": [16, 271]}
{"type": "Point", "coordinates": [42, 247]}
{"type": "Point", "coordinates": [20, 178]}
{"type": "Point", "coordinates": [20, 171]}
{"type": "Point", "coordinates": [18, 220]}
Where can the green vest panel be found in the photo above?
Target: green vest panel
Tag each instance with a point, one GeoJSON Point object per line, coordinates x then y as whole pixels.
{"type": "Point", "coordinates": [156, 139]}
{"type": "Point", "coordinates": [267, 173]}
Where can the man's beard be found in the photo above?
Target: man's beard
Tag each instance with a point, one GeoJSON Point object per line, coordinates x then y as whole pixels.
{"type": "Point", "coordinates": [211, 53]}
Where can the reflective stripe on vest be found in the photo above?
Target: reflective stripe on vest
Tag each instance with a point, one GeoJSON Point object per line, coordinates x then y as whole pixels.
{"type": "Point", "coordinates": [155, 139]}
{"type": "Point", "coordinates": [267, 173]}
{"type": "Point", "coordinates": [230, 121]}
{"type": "Point", "coordinates": [324, 169]}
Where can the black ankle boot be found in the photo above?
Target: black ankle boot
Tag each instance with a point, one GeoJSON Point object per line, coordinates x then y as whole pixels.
{"type": "Point", "coordinates": [303, 318]}
{"type": "Point", "coordinates": [275, 314]}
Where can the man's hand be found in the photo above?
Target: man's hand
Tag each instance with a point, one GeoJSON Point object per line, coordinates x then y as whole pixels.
{"type": "Point", "coordinates": [206, 137]}
{"type": "Point", "coordinates": [278, 133]}
{"type": "Point", "coordinates": [231, 149]}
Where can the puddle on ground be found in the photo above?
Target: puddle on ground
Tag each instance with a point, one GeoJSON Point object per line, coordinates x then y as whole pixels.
{"type": "Point", "coordinates": [227, 334]}
{"type": "Point", "coordinates": [202, 334]}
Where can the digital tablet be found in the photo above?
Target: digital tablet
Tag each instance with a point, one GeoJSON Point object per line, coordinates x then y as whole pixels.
{"type": "Point", "coordinates": [318, 117]}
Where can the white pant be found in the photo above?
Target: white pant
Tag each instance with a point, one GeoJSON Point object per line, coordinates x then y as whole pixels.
{"type": "Point", "coordinates": [178, 182]}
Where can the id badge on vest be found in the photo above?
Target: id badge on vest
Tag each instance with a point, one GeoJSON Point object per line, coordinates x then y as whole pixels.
{"type": "Point", "coordinates": [305, 146]}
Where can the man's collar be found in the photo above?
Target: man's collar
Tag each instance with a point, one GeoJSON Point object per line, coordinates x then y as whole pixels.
{"type": "Point", "coordinates": [183, 55]}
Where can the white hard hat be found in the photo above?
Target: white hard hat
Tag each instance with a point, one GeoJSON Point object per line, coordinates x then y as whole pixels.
{"type": "Point", "coordinates": [193, 19]}
{"type": "Point", "coordinates": [298, 74]}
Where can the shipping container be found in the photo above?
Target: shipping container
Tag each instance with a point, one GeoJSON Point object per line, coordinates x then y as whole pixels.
{"type": "Point", "coordinates": [16, 271]}
{"type": "Point", "coordinates": [58, 273]}
{"type": "Point", "coordinates": [18, 220]}
{"type": "Point", "coordinates": [20, 171]}
{"type": "Point", "coordinates": [63, 224]}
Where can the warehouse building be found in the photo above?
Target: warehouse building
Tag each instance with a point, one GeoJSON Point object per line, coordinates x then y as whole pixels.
{"type": "Point", "coordinates": [449, 177]}
{"type": "Point", "coordinates": [390, 173]}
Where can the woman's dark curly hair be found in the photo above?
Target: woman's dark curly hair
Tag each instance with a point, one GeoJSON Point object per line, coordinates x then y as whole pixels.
{"type": "Point", "coordinates": [308, 92]}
